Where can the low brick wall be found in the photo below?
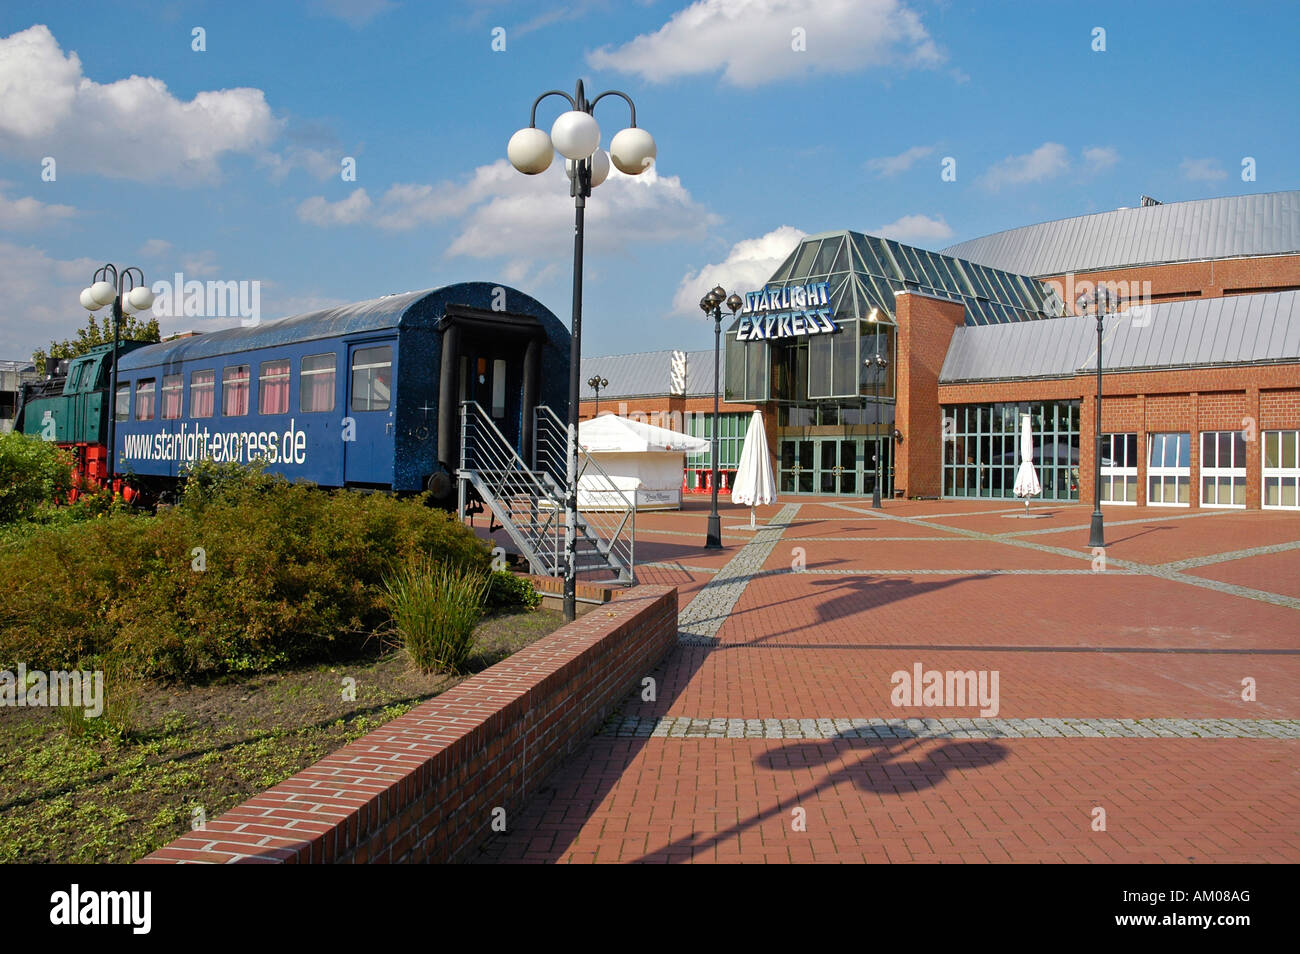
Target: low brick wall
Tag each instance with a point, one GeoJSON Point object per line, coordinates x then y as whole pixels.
{"type": "Point", "coordinates": [424, 786]}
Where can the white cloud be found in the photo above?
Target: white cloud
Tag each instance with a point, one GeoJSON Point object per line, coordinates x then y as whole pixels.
{"type": "Point", "coordinates": [893, 165]}
{"type": "Point", "coordinates": [525, 216]}
{"type": "Point", "coordinates": [752, 41]}
{"type": "Point", "coordinates": [29, 213]}
{"type": "Point", "coordinates": [200, 265]}
{"type": "Point", "coordinates": [318, 163]}
{"type": "Point", "coordinates": [153, 248]}
{"type": "Point", "coordinates": [355, 12]}
{"type": "Point", "coordinates": [915, 228]}
{"type": "Point", "coordinates": [748, 265]}
{"type": "Point", "coordinates": [132, 128]}
{"type": "Point", "coordinates": [1048, 160]}
{"type": "Point", "coordinates": [1100, 157]}
{"type": "Point", "coordinates": [1202, 170]}
{"type": "Point", "coordinates": [499, 213]}
{"type": "Point", "coordinates": [319, 211]}
{"type": "Point", "coordinates": [40, 295]}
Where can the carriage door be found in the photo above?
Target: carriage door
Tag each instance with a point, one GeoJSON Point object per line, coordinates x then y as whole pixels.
{"type": "Point", "coordinates": [368, 459]}
{"type": "Point", "coordinates": [490, 377]}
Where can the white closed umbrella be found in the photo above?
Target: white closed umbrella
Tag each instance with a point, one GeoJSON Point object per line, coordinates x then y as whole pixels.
{"type": "Point", "coordinates": [754, 482]}
{"type": "Point", "coordinates": [1027, 484]}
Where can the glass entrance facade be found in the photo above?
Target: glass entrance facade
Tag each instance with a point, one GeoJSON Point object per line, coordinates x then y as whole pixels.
{"type": "Point", "coordinates": [839, 466]}
{"type": "Point", "coordinates": [981, 448]}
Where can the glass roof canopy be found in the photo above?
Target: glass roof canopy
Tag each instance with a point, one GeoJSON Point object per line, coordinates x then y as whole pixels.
{"type": "Point", "coordinates": [864, 272]}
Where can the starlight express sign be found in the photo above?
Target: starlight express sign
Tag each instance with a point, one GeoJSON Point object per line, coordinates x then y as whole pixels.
{"type": "Point", "coordinates": [786, 313]}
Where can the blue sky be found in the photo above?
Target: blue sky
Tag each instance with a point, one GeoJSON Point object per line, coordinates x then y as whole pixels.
{"type": "Point", "coordinates": [225, 164]}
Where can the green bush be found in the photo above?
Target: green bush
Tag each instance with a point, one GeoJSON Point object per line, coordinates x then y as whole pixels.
{"type": "Point", "coordinates": [506, 591]}
{"type": "Point", "coordinates": [436, 608]}
{"type": "Point", "coordinates": [32, 472]}
{"type": "Point", "coordinates": [256, 576]}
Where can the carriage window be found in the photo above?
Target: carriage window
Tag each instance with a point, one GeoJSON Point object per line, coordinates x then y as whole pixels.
{"type": "Point", "coordinates": [372, 378]}
{"type": "Point", "coordinates": [273, 387]}
{"type": "Point", "coordinates": [171, 396]}
{"type": "Point", "coordinates": [316, 383]}
{"type": "Point", "coordinates": [202, 388]}
{"type": "Point", "coordinates": [122, 405]}
{"type": "Point", "coordinates": [234, 391]}
{"type": "Point", "coordinates": [144, 391]}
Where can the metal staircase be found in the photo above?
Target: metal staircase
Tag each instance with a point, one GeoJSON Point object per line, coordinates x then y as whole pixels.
{"type": "Point", "coordinates": [529, 503]}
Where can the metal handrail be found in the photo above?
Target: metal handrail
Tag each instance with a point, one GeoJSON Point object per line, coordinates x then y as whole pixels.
{"type": "Point", "coordinates": [619, 532]}
{"type": "Point", "coordinates": [490, 462]}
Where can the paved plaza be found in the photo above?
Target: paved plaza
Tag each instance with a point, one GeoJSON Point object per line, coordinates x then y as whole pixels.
{"type": "Point", "coordinates": [951, 681]}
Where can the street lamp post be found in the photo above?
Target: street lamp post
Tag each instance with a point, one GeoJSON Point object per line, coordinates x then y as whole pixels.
{"type": "Point", "coordinates": [711, 304]}
{"type": "Point", "coordinates": [121, 289]}
{"type": "Point", "coordinates": [1104, 300]}
{"type": "Point", "coordinates": [879, 362]}
{"type": "Point", "coordinates": [577, 137]}
{"type": "Point", "coordinates": [596, 382]}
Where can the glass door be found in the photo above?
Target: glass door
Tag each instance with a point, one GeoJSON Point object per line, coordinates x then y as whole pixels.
{"type": "Point", "coordinates": [837, 466]}
{"type": "Point", "coordinates": [797, 467]}
{"type": "Point", "coordinates": [885, 448]}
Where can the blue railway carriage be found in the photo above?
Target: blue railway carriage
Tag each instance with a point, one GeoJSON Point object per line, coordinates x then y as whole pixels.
{"type": "Point", "coordinates": [364, 395]}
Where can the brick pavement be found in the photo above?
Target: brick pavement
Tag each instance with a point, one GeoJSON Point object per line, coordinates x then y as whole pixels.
{"type": "Point", "coordinates": [775, 734]}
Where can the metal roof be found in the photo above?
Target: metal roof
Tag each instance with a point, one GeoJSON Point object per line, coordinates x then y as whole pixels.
{"type": "Point", "coordinates": [372, 315]}
{"type": "Point", "coordinates": [865, 272]}
{"type": "Point", "coordinates": [1240, 329]}
{"type": "Point", "coordinates": [1232, 226]}
{"type": "Point", "coordinates": [647, 373]}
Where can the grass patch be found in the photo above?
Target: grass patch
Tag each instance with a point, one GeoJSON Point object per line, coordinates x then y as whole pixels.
{"type": "Point", "coordinates": [116, 796]}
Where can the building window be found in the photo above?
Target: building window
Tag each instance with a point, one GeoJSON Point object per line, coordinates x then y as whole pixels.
{"type": "Point", "coordinates": [144, 394]}
{"type": "Point", "coordinates": [1281, 470]}
{"type": "Point", "coordinates": [731, 437]}
{"type": "Point", "coordinates": [122, 403]}
{"type": "Point", "coordinates": [981, 448]}
{"type": "Point", "coordinates": [234, 391]}
{"type": "Point", "coordinates": [202, 393]}
{"type": "Point", "coordinates": [372, 378]}
{"type": "Point", "coordinates": [1223, 469]}
{"type": "Point", "coordinates": [172, 396]}
{"type": "Point", "coordinates": [1169, 472]}
{"type": "Point", "coordinates": [316, 383]}
{"type": "Point", "coordinates": [1119, 468]}
{"type": "Point", "coordinates": [273, 387]}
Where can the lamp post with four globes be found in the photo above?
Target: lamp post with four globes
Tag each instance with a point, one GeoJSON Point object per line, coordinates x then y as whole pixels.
{"type": "Point", "coordinates": [577, 137]}
{"type": "Point", "coordinates": [126, 291]}
{"type": "Point", "coordinates": [711, 304]}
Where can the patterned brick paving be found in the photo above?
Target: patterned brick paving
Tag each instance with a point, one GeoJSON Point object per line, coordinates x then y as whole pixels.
{"type": "Point", "coordinates": [774, 735]}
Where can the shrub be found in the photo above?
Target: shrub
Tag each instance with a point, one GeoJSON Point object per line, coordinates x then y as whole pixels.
{"type": "Point", "coordinates": [435, 609]}
{"type": "Point", "coordinates": [255, 576]}
{"type": "Point", "coordinates": [506, 590]}
{"type": "Point", "coordinates": [32, 472]}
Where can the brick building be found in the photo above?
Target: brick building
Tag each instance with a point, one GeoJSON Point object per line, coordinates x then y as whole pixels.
{"type": "Point", "coordinates": [861, 350]}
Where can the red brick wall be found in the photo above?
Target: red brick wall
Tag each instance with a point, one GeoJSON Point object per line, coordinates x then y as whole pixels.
{"type": "Point", "coordinates": [1203, 399]}
{"type": "Point", "coordinates": [925, 329]}
{"type": "Point", "coordinates": [1192, 279]}
{"type": "Point", "coordinates": [423, 787]}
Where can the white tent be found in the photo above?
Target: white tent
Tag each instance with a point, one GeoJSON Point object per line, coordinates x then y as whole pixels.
{"type": "Point", "coordinates": [754, 483]}
{"type": "Point", "coordinates": [644, 463]}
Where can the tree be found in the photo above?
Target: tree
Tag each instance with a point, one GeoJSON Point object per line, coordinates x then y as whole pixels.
{"type": "Point", "coordinates": [131, 328]}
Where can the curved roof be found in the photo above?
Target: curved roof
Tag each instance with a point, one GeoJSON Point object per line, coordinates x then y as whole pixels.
{"type": "Point", "coordinates": [1207, 332]}
{"type": "Point", "coordinates": [377, 314]}
{"type": "Point", "coordinates": [1233, 226]}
